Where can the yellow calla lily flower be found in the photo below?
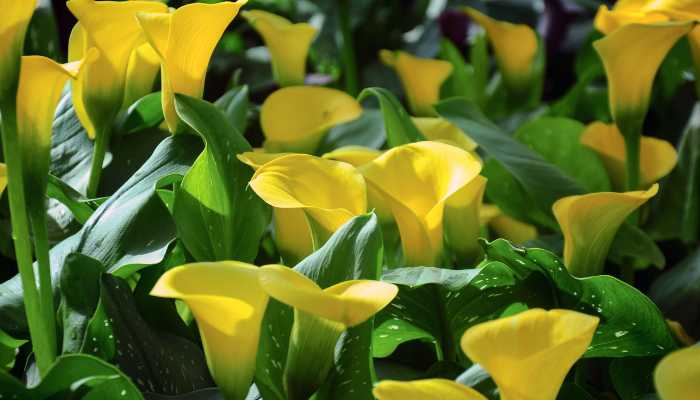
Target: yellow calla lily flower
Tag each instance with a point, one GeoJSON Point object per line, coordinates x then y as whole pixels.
{"type": "Point", "coordinates": [320, 316]}
{"type": "Point", "coordinates": [353, 155]}
{"type": "Point", "coordinates": [13, 27]}
{"type": "Point", "coordinates": [530, 352]}
{"type": "Point", "coordinates": [677, 376]}
{"type": "Point", "coordinates": [439, 129]}
{"type": "Point", "coordinates": [416, 180]}
{"type": "Point", "coordinates": [185, 40]}
{"type": "Point", "coordinates": [295, 119]}
{"type": "Point", "coordinates": [511, 229]}
{"type": "Point", "coordinates": [589, 223]}
{"type": "Point", "coordinates": [421, 78]}
{"type": "Point", "coordinates": [287, 43]}
{"type": "Point", "coordinates": [228, 303]}
{"type": "Point", "coordinates": [607, 21]}
{"type": "Point", "coordinates": [656, 157]}
{"type": "Point", "coordinates": [425, 389]}
{"type": "Point", "coordinates": [463, 222]}
{"type": "Point", "coordinates": [144, 66]}
{"type": "Point", "coordinates": [256, 159]}
{"type": "Point", "coordinates": [312, 198]}
{"type": "Point", "coordinates": [515, 47]}
{"type": "Point", "coordinates": [3, 177]}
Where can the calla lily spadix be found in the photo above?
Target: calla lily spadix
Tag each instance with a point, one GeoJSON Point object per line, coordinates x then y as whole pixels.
{"type": "Point", "coordinates": [185, 41]}
{"type": "Point", "coordinates": [677, 376]}
{"type": "Point", "coordinates": [287, 43]}
{"type": "Point", "coordinates": [589, 223]}
{"type": "Point", "coordinates": [13, 27]}
{"type": "Point", "coordinates": [515, 48]}
{"type": "Point", "coordinates": [421, 79]}
{"type": "Point", "coordinates": [295, 118]}
{"type": "Point", "coordinates": [312, 198]}
{"type": "Point", "coordinates": [440, 129]}
{"type": "Point", "coordinates": [228, 303]}
{"type": "Point", "coordinates": [320, 316]}
{"type": "Point", "coordinates": [416, 180]}
{"type": "Point", "coordinates": [657, 157]}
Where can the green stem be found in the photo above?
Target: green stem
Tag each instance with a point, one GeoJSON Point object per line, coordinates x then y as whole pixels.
{"type": "Point", "coordinates": [347, 48]}
{"type": "Point", "coordinates": [98, 157]}
{"type": "Point", "coordinates": [37, 218]}
{"type": "Point", "coordinates": [20, 235]}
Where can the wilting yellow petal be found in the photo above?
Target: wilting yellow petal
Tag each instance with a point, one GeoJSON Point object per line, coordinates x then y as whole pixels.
{"type": "Point", "coordinates": [589, 223]}
{"type": "Point", "coordinates": [185, 41]}
{"type": "Point", "coordinates": [287, 43]}
{"type": "Point", "coordinates": [506, 227]}
{"type": "Point", "coordinates": [677, 376]}
{"type": "Point", "coordinates": [514, 45]}
{"type": "Point", "coordinates": [416, 180]}
{"type": "Point", "coordinates": [421, 78]}
{"type": "Point", "coordinates": [631, 56]}
{"type": "Point", "coordinates": [529, 354]}
{"type": "Point", "coordinates": [295, 119]}
{"type": "Point", "coordinates": [112, 28]}
{"type": "Point", "coordinates": [462, 220]}
{"type": "Point", "coordinates": [3, 177]}
{"type": "Point", "coordinates": [228, 303]}
{"type": "Point", "coordinates": [442, 130]}
{"type": "Point", "coordinates": [425, 389]}
{"type": "Point", "coordinates": [349, 303]}
{"type": "Point", "coordinates": [657, 157]}
{"type": "Point", "coordinates": [353, 155]}
{"type": "Point", "coordinates": [13, 26]}
{"type": "Point", "coordinates": [141, 75]}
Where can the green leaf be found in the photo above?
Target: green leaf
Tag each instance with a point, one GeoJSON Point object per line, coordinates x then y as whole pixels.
{"type": "Point", "coordinates": [69, 197]}
{"type": "Point", "coordinates": [80, 291]}
{"type": "Point", "coordinates": [218, 216]}
{"type": "Point", "coordinates": [630, 323]}
{"type": "Point", "coordinates": [633, 377]}
{"type": "Point", "coordinates": [74, 376]}
{"type": "Point", "coordinates": [633, 245]}
{"type": "Point", "coordinates": [8, 350]}
{"type": "Point", "coordinates": [399, 127]}
{"type": "Point", "coordinates": [462, 82]}
{"type": "Point", "coordinates": [235, 106]}
{"type": "Point", "coordinates": [145, 113]}
{"type": "Point", "coordinates": [367, 131]}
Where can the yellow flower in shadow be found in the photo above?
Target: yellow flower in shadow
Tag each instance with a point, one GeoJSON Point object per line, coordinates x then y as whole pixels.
{"type": "Point", "coordinates": [13, 27]}
{"type": "Point", "coordinates": [421, 78]}
{"type": "Point", "coordinates": [416, 180]}
{"type": "Point", "coordinates": [677, 376]}
{"type": "Point", "coordinates": [287, 43]}
{"type": "Point", "coordinates": [228, 303]}
{"type": "Point", "coordinates": [657, 157]}
{"type": "Point", "coordinates": [589, 223]}
{"type": "Point", "coordinates": [295, 119]}
{"type": "Point", "coordinates": [185, 41]}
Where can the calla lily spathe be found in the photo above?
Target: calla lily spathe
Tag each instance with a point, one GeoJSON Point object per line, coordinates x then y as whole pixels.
{"type": "Point", "coordinates": [13, 27]}
{"type": "Point", "coordinates": [228, 303]}
{"type": "Point", "coordinates": [463, 220]}
{"type": "Point", "coordinates": [353, 155]}
{"type": "Point", "coordinates": [416, 180]}
{"type": "Point", "coordinates": [439, 129]}
{"type": "Point", "coordinates": [677, 376]}
{"type": "Point", "coordinates": [312, 198]}
{"type": "Point", "coordinates": [287, 43]}
{"type": "Point", "coordinates": [644, 12]}
{"type": "Point", "coordinates": [320, 316]}
{"type": "Point", "coordinates": [295, 119]}
{"type": "Point", "coordinates": [515, 47]}
{"type": "Point", "coordinates": [589, 223]}
{"type": "Point", "coordinates": [425, 389]}
{"type": "Point", "coordinates": [185, 41]}
{"type": "Point", "coordinates": [141, 74]}
{"type": "Point", "coordinates": [421, 78]}
{"type": "Point", "coordinates": [657, 157]}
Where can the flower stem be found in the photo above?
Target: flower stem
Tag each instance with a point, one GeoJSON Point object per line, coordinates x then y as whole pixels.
{"type": "Point", "coordinates": [347, 48]}
{"type": "Point", "coordinates": [98, 157]}
{"type": "Point", "coordinates": [41, 341]}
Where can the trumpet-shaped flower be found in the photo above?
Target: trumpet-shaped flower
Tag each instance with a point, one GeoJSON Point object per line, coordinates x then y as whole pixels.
{"type": "Point", "coordinates": [287, 43]}
{"type": "Point", "coordinates": [228, 303]}
{"type": "Point", "coordinates": [320, 316]}
{"type": "Point", "coordinates": [421, 78]}
{"type": "Point", "coordinates": [510, 228]}
{"type": "Point", "coordinates": [295, 119]}
{"type": "Point", "coordinates": [416, 180]}
{"type": "Point", "coordinates": [425, 389]}
{"type": "Point", "coordinates": [185, 40]}
{"type": "Point", "coordinates": [657, 157]}
{"type": "Point", "coordinates": [112, 28]}
{"type": "Point", "coordinates": [463, 220]}
{"type": "Point", "coordinates": [13, 27]}
{"type": "Point", "coordinates": [353, 155]}
{"type": "Point", "coordinates": [312, 198]}
{"type": "Point", "coordinates": [515, 47]}
{"type": "Point", "coordinates": [644, 12]}
{"type": "Point", "coordinates": [144, 66]}
{"type": "Point", "coordinates": [589, 223]}
{"type": "Point", "coordinates": [677, 376]}
{"type": "Point", "coordinates": [440, 129]}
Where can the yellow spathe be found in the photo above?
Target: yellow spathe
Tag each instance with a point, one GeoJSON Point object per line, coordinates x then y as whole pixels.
{"type": "Point", "coordinates": [607, 21]}
{"type": "Point", "coordinates": [510, 228]}
{"type": "Point", "coordinates": [425, 389]}
{"type": "Point", "coordinates": [421, 78]}
{"type": "Point", "coordinates": [141, 74]}
{"type": "Point", "coordinates": [644, 11]}
{"type": "Point", "coordinates": [228, 303]}
{"type": "Point", "coordinates": [416, 180]}
{"type": "Point", "coordinates": [287, 43]}
{"type": "Point", "coordinates": [657, 157]}
{"type": "Point", "coordinates": [295, 118]}
{"type": "Point", "coordinates": [440, 129]}
{"type": "Point", "coordinates": [529, 354]}
{"type": "Point", "coordinates": [16, 15]}
{"type": "Point", "coordinates": [463, 220]}
{"type": "Point", "coordinates": [256, 159]}
{"type": "Point", "coordinates": [589, 223]}
{"type": "Point", "coordinates": [185, 41]}
{"type": "Point", "coordinates": [353, 155]}
{"type": "Point", "coordinates": [677, 376]}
